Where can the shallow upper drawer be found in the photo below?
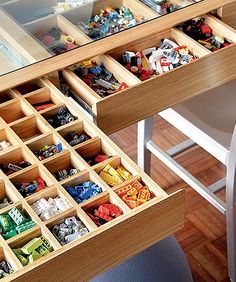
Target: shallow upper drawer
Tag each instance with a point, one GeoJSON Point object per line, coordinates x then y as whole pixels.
{"type": "Point", "coordinates": [143, 99]}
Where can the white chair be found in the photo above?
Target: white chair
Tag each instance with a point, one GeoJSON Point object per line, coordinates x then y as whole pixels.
{"type": "Point", "coordinates": [209, 121]}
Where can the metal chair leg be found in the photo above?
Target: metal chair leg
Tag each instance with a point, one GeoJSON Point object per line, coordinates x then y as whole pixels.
{"type": "Point", "coordinates": [145, 149]}
{"type": "Point", "coordinates": [145, 128]}
{"type": "Point", "coordinates": [231, 209]}
{"type": "Point", "coordinates": [231, 239]}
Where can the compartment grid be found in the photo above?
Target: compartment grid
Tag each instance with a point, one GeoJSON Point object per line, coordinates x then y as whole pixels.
{"type": "Point", "coordinates": [55, 186]}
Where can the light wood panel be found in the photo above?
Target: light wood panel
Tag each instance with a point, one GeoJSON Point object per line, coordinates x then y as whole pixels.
{"type": "Point", "coordinates": [228, 14]}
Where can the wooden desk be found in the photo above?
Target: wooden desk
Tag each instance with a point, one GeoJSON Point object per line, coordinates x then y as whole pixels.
{"type": "Point", "coordinates": [106, 246]}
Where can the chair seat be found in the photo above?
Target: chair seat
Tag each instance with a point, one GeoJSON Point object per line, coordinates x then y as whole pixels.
{"type": "Point", "coordinates": [164, 262]}
{"type": "Point", "coordinates": [212, 115]}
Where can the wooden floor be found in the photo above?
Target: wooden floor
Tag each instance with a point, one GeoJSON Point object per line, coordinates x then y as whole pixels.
{"type": "Point", "coordinates": [204, 237]}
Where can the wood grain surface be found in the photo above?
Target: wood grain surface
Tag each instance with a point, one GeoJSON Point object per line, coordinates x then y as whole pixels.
{"type": "Point", "coordinates": [229, 14]}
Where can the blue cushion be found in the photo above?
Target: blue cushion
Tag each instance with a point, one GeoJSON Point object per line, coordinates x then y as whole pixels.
{"type": "Point", "coordinates": [164, 262]}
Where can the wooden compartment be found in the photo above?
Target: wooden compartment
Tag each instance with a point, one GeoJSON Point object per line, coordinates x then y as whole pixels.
{"type": "Point", "coordinates": [87, 93]}
{"type": "Point", "coordinates": [104, 199]}
{"type": "Point", "coordinates": [6, 96]}
{"type": "Point", "coordinates": [78, 127]}
{"type": "Point", "coordinates": [25, 11]}
{"type": "Point", "coordinates": [26, 88]}
{"type": "Point", "coordinates": [173, 34]}
{"type": "Point", "coordinates": [6, 191]}
{"type": "Point", "coordinates": [46, 193]}
{"type": "Point", "coordinates": [6, 136]}
{"type": "Point", "coordinates": [25, 212]}
{"type": "Point", "coordinates": [41, 141]}
{"type": "Point", "coordinates": [92, 148]}
{"type": "Point", "coordinates": [149, 97]}
{"type": "Point", "coordinates": [23, 240]}
{"type": "Point", "coordinates": [136, 7]}
{"type": "Point", "coordinates": [81, 178]}
{"type": "Point", "coordinates": [14, 110]}
{"type": "Point", "coordinates": [28, 176]}
{"type": "Point", "coordinates": [219, 29]}
{"type": "Point", "coordinates": [52, 113]}
{"type": "Point", "coordinates": [115, 163]}
{"type": "Point", "coordinates": [42, 96]}
{"type": "Point", "coordinates": [5, 255]}
{"type": "Point", "coordinates": [61, 219]}
{"type": "Point", "coordinates": [141, 180]}
{"type": "Point", "coordinates": [65, 161]}
{"type": "Point", "coordinates": [43, 26]}
{"type": "Point", "coordinates": [29, 128]}
{"type": "Point", "coordinates": [53, 193]}
{"type": "Point", "coordinates": [14, 156]}
{"type": "Point", "coordinates": [144, 182]}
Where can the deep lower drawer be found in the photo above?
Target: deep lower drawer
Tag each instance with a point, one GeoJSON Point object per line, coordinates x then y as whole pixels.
{"type": "Point", "coordinates": [25, 125]}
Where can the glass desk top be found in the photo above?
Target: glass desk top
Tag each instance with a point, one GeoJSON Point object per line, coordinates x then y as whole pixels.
{"type": "Point", "coordinates": [32, 30]}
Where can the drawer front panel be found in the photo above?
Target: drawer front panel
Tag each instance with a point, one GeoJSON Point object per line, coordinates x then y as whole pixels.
{"type": "Point", "coordinates": [155, 95]}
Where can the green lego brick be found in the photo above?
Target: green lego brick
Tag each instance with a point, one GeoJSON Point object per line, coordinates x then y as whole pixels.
{"type": "Point", "coordinates": [31, 246]}
{"type": "Point", "coordinates": [46, 243]}
{"type": "Point", "coordinates": [23, 227]}
{"type": "Point", "coordinates": [17, 251]}
{"type": "Point", "coordinates": [22, 259]}
{"type": "Point", "coordinates": [43, 250]}
{"type": "Point", "coordinates": [34, 256]}
{"type": "Point", "coordinates": [6, 223]}
{"type": "Point", "coordinates": [17, 216]}
{"type": "Point", "coordinates": [9, 234]}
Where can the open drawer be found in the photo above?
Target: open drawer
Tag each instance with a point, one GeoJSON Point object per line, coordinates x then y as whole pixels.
{"type": "Point", "coordinates": [140, 222]}
{"type": "Point", "coordinates": [151, 96]}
